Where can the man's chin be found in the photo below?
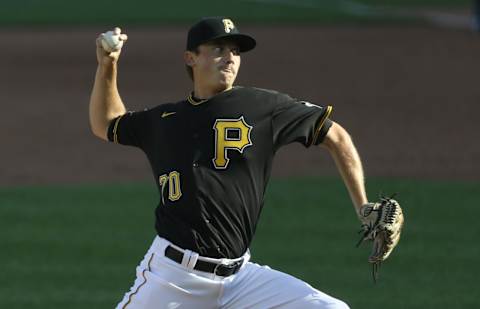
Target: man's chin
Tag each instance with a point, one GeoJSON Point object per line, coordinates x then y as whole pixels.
{"type": "Point", "coordinates": [223, 86]}
{"type": "Point", "coordinates": [226, 81]}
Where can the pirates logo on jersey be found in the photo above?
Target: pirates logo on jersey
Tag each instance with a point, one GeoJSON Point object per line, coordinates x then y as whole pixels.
{"type": "Point", "coordinates": [230, 134]}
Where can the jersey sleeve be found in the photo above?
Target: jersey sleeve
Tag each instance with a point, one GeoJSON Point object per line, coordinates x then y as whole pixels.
{"type": "Point", "coordinates": [299, 121]}
{"type": "Point", "coordinates": [130, 129]}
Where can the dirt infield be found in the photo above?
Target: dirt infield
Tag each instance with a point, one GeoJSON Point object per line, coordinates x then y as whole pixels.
{"type": "Point", "coordinates": [409, 96]}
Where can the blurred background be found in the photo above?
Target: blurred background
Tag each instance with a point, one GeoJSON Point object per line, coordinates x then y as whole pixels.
{"type": "Point", "coordinates": [76, 213]}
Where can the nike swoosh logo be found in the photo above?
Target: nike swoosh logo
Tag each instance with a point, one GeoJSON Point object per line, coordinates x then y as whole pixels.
{"type": "Point", "coordinates": [166, 114]}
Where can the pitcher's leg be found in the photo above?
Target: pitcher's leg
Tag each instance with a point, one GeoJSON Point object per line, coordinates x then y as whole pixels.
{"type": "Point", "coordinates": [160, 284]}
{"type": "Point", "coordinates": [141, 286]}
{"type": "Point", "coordinates": [260, 287]}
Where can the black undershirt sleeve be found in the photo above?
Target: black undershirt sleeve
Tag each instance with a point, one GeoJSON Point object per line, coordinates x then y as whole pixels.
{"type": "Point", "coordinates": [323, 131]}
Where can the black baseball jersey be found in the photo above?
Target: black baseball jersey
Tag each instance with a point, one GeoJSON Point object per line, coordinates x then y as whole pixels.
{"type": "Point", "coordinates": [212, 159]}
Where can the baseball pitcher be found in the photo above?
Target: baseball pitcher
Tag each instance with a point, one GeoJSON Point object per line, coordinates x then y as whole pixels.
{"type": "Point", "coordinates": [211, 155]}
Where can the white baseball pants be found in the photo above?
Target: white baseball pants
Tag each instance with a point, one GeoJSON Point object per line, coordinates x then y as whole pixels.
{"type": "Point", "coordinates": [163, 283]}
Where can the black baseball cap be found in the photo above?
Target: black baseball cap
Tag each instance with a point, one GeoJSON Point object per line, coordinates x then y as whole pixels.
{"type": "Point", "coordinates": [213, 28]}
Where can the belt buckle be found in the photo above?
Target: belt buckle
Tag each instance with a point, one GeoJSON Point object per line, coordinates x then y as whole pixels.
{"type": "Point", "coordinates": [225, 270]}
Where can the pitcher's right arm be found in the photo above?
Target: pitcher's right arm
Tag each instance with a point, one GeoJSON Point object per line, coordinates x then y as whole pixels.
{"type": "Point", "coordinates": [105, 101]}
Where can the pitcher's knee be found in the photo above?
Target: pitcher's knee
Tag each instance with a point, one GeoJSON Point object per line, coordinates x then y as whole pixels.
{"type": "Point", "coordinates": [338, 305]}
{"type": "Point", "coordinates": [324, 303]}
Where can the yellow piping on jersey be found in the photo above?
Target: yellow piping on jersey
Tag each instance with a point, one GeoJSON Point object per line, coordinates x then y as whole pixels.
{"type": "Point", "coordinates": [193, 102]}
{"type": "Point", "coordinates": [115, 127]}
{"type": "Point", "coordinates": [321, 123]}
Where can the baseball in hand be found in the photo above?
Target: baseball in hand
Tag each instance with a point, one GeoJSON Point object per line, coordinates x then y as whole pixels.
{"type": "Point", "coordinates": [112, 41]}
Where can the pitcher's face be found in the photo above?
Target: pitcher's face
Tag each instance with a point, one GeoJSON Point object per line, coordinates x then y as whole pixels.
{"type": "Point", "coordinates": [216, 64]}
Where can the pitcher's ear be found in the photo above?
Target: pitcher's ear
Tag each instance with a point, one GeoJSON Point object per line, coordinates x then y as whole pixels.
{"type": "Point", "coordinates": [189, 58]}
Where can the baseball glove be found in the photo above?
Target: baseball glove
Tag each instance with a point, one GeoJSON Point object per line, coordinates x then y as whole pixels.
{"type": "Point", "coordinates": [382, 223]}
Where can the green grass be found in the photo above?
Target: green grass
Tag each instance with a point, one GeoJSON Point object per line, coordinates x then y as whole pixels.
{"type": "Point", "coordinates": [77, 247]}
{"type": "Point", "coordinates": [55, 12]}
{"type": "Point", "coordinates": [419, 3]}
{"type": "Point", "coordinates": [152, 11]}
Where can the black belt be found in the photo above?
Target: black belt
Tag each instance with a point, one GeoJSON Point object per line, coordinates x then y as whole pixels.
{"type": "Point", "coordinates": [223, 270]}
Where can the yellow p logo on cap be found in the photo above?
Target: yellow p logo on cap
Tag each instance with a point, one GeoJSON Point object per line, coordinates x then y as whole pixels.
{"type": "Point", "coordinates": [229, 26]}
